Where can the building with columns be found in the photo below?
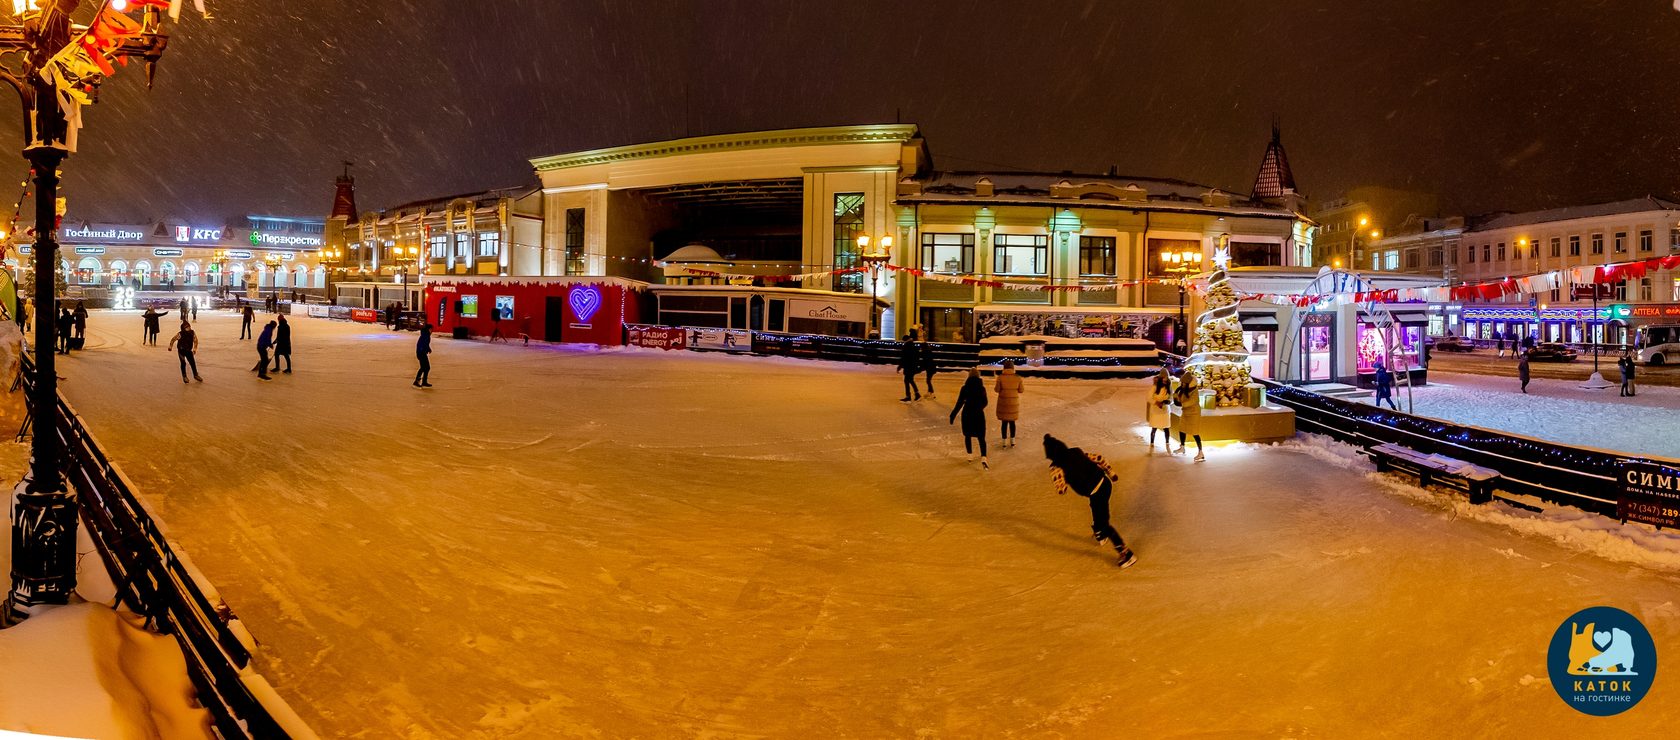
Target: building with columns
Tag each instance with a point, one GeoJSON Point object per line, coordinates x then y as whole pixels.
{"type": "Point", "coordinates": [971, 253]}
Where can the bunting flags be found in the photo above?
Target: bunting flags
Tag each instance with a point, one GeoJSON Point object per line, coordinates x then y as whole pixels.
{"type": "Point", "coordinates": [1492, 290]}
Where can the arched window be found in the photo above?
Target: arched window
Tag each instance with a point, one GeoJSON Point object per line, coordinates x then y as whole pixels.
{"type": "Point", "coordinates": [88, 271]}
{"type": "Point", "coordinates": [119, 272]}
{"type": "Point", "coordinates": [167, 271]}
{"type": "Point", "coordinates": [189, 273]}
{"type": "Point", "coordinates": [301, 277]}
{"type": "Point", "coordinates": [236, 273]}
{"type": "Point", "coordinates": [320, 278]}
{"type": "Point", "coordinates": [142, 273]}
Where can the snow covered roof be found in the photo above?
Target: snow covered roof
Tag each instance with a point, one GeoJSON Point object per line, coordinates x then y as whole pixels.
{"type": "Point", "coordinates": [1570, 213]}
{"type": "Point", "coordinates": [697, 254]}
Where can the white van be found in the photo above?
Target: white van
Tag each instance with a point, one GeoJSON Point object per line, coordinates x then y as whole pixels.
{"type": "Point", "coordinates": [1658, 345]}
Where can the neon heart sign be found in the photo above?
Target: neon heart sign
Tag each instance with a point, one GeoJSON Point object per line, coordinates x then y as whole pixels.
{"type": "Point", "coordinates": [585, 300]}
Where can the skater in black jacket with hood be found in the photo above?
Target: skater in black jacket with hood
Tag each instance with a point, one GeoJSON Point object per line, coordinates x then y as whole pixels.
{"type": "Point", "coordinates": [971, 403]}
{"type": "Point", "coordinates": [908, 355]}
{"type": "Point", "coordinates": [1090, 476]}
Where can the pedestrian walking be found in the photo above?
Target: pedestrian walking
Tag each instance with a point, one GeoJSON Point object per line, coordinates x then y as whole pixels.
{"type": "Point", "coordinates": [1499, 343]}
{"type": "Point", "coordinates": [81, 316]}
{"type": "Point", "coordinates": [1008, 388]}
{"type": "Point", "coordinates": [1384, 383]}
{"type": "Point", "coordinates": [185, 344]}
{"type": "Point", "coordinates": [66, 324]}
{"type": "Point", "coordinates": [1088, 475]}
{"type": "Point", "coordinates": [265, 341]}
{"type": "Point", "coordinates": [971, 403]}
{"type": "Point", "coordinates": [1522, 370]}
{"type": "Point", "coordinates": [283, 345]}
{"type": "Point", "coordinates": [422, 348]}
{"type": "Point", "coordinates": [183, 309]}
{"type": "Point", "coordinates": [928, 365]}
{"type": "Point", "coordinates": [247, 316]}
{"type": "Point", "coordinates": [908, 356]}
{"type": "Point", "coordinates": [1159, 416]}
{"type": "Point", "coordinates": [1189, 400]}
{"type": "Point", "coordinates": [194, 305]}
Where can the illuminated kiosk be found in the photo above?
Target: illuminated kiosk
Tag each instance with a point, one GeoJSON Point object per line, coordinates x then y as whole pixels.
{"type": "Point", "coordinates": [1232, 406]}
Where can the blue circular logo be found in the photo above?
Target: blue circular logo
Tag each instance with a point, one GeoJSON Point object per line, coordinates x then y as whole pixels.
{"type": "Point", "coordinates": [1602, 661]}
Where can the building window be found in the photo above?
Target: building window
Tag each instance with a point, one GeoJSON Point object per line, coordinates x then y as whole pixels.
{"type": "Point", "coordinates": [1376, 261]}
{"type": "Point", "coordinates": [1413, 259]}
{"type": "Point", "coordinates": [1096, 255]}
{"type": "Point", "coordinates": [848, 226]}
{"type": "Point", "coordinates": [1598, 244]}
{"type": "Point", "coordinates": [1434, 256]}
{"type": "Point", "coordinates": [1674, 239]}
{"type": "Point", "coordinates": [1645, 291]}
{"type": "Point", "coordinates": [1471, 253]}
{"type": "Point", "coordinates": [1501, 251]}
{"type": "Point", "coordinates": [1391, 260]}
{"type": "Point", "coordinates": [1452, 255]}
{"type": "Point", "coordinates": [1621, 242]}
{"type": "Point", "coordinates": [1256, 254]}
{"type": "Point", "coordinates": [463, 244]}
{"type": "Point", "coordinates": [489, 243]}
{"type": "Point", "coordinates": [1575, 246]}
{"type": "Point", "coordinates": [440, 246]}
{"type": "Point", "coordinates": [1020, 254]}
{"type": "Point", "coordinates": [1645, 240]}
{"type": "Point", "coordinates": [574, 241]}
{"type": "Point", "coordinates": [948, 253]}
{"type": "Point", "coordinates": [1555, 247]}
{"type": "Point", "coordinates": [1487, 252]}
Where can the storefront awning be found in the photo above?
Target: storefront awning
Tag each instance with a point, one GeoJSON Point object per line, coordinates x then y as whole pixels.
{"type": "Point", "coordinates": [1403, 318]}
{"type": "Point", "coordinates": [1258, 321]}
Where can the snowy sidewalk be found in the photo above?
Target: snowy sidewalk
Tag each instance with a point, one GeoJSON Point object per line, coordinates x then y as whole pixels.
{"type": "Point", "coordinates": [85, 670]}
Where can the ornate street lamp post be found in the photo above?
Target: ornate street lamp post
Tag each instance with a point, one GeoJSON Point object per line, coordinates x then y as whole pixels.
{"type": "Point", "coordinates": [1182, 263]}
{"type": "Point", "coordinates": [54, 65]}
{"type": "Point", "coordinates": [874, 260]}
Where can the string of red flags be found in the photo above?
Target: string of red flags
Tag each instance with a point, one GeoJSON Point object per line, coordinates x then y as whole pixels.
{"type": "Point", "coordinates": [1491, 290]}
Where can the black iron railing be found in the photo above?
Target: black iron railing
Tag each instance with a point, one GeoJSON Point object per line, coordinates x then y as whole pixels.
{"type": "Point", "coordinates": [154, 582]}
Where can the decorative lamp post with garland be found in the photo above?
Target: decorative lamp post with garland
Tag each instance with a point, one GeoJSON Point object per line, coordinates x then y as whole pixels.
{"type": "Point", "coordinates": [56, 65]}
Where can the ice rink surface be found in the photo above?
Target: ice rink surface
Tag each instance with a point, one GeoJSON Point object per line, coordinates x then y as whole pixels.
{"type": "Point", "coordinates": [554, 542]}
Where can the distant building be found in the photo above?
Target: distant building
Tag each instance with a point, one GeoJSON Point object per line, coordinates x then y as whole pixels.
{"type": "Point", "coordinates": [1417, 246]}
{"type": "Point", "coordinates": [264, 252]}
{"type": "Point", "coordinates": [1350, 222]}
{"type": "Point", "coordinates": [1519, 244]}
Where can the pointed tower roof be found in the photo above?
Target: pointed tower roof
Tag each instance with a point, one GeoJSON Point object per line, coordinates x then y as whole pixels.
{"type": "Point", "coordinates": [1275, 179]}
{"type": "Point", "coordinates": [344, 202]}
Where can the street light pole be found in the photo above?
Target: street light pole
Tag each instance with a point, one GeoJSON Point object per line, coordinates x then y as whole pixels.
{"type": "Point", "coordinates": [44, 515]}
{"type": "Point", "coordinates": [1181, 263]}
{"type": "Point", "coordinates": [874, 260]}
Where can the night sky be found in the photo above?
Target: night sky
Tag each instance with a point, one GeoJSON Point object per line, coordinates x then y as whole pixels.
{"type": "Point", "coordinates": [1494, 105]}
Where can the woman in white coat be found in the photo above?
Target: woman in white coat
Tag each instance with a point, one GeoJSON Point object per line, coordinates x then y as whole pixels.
{"type": "Point", "coordinates": [1159, 416]}
{"type": "Point", "coordinates": [1189, 399]}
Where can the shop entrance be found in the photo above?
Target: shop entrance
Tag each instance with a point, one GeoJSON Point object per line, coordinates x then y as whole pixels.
{"type": "Point", "coordinates": [948, 324]}
{"type": "Point", "coordinates": [554, 318]}
{"type": "Point", "coordinates": [1318, 348]}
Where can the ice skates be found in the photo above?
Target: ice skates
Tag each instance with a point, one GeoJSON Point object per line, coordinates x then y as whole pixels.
{"type": "Point", "coordinates": [1127, 559]}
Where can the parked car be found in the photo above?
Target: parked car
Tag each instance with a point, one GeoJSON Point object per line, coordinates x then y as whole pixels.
{"type": "Point", "coordinates": [1451, 344]}
{"type": "Point", "coordinates": [1551, 352]}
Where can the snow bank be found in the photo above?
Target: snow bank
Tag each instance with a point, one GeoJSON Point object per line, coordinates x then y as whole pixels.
{"type": "Point", "coordinates": [1581, 531]}
{"type": "Point", "coordinates": [1557, 410]}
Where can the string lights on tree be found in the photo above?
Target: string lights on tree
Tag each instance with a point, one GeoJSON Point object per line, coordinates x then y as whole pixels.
{"type": "Point", "coordinates": [1219, 359]}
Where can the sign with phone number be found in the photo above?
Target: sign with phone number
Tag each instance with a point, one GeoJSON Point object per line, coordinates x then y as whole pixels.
{"type": "Point", "coordinates": [1650, 494]}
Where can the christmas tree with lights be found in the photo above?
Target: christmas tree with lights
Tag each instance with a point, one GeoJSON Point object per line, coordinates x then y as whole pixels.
{"type": "Point", "coordinates": [1219, 358]}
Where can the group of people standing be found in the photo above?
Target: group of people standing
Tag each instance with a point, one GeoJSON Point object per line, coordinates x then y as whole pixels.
{"type": "Point", "coordinates": [72, 327]}
{"type": "Point", "coordinates": [1187, 398]}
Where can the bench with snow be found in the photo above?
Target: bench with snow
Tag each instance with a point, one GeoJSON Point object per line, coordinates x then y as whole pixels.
{"type": "Point", "coordinates": [1472, 479]}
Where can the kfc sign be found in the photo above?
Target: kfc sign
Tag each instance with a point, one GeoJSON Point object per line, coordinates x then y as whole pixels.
{"type": "Point", "coordinates": [188, 234]}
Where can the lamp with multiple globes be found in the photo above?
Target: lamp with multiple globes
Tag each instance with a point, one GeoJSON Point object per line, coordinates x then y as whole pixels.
{"type": "Point", "coordinates": [1183, 263]}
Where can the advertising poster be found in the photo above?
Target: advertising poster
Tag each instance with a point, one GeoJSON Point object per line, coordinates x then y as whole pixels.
{"type": "Point", "coordinates": [658, 337]}
{"type": "Point", "coordinates": [728, 340]}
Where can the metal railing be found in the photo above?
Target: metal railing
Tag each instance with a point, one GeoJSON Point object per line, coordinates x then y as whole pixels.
{"type": "Point", "coordinates": [154, 581]}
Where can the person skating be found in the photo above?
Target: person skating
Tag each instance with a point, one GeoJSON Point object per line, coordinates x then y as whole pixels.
{"type": "Point", "coordinates": [971, 403]}
{"type": "Point", "coordinates": [183, 309]}
{"type": "Point", "coordinates": [422, 348]}
{"type": "Point", "coordinates": [194, 305]}
{"type": "Point", "coordinates": [66, 324]}
{"type": "Point", "coordinates": [1090, 476]}
{"type": "Point", "coordinates": [1522, 370]}
{"type": "Point", "coordinates": [1385, 386]}
{"type": "Point", "coordinates": [81, 316]}
{"type": "Point", "coordinates": [1008, 388]}
{"type": "Point", "coordinates": [928, 365]}
{"type": "Point", "coordinates": [265, 340]}
{"type": "Point", "coordinates": [908, 354]}
{"type": "Point", "coordinates": [1189, 400]}
{"type": "Point", "coordinates": [152, 325]}
{"type": "Point", "coordinates": [283, 345]}
{"type": "Point", "coordinates": [496, 326]}
{"type": "Point", "coordinates": [1159, 416]}
{"type": "Point", "coordinates": [246, 317]}
{"type": "Point", "coordinates": [185, 344]}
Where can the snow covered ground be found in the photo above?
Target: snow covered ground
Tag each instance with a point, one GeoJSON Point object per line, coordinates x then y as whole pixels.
{"type": "Point", "coordinates": [1558, 410]}
{"type": "Point", "coordinates": [85, 670]}
{"type": "Point", "coordinates": [637, 543]}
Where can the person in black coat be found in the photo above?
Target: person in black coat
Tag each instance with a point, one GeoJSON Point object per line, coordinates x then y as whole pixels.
{"type": "Point", "coordinates": [66, 323]}
{"type": "Point", "coordinates": [422, 348]}
{"type": "Point", "coordinates": [908, 360]}
{"type": "Point", "coordinates": [81, 316]}
{"type": "Point", "coordinates": [283, 345]}
{"type": "Point", "coordinates": [971, 403]}
{"type": "Point", "coordinates": [1625, 365]}
{"type": "Point", "coordinates": [929, 366]}
{"type": "Point", "coordinates": [1088, 475]}
{"type": "Point", "coordinates": [245, 323]}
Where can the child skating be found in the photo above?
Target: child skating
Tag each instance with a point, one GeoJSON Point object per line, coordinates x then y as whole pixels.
{"type": "Point", "coordinates": [1090, 476]}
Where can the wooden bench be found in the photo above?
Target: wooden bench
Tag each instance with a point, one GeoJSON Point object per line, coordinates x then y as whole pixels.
{"type": "Point", "coordinates": [1472, 479]}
